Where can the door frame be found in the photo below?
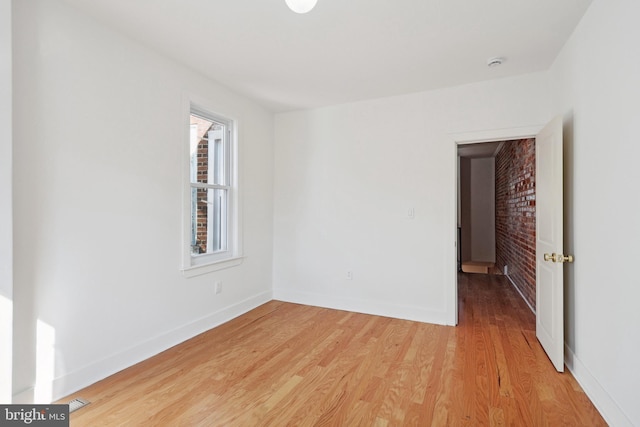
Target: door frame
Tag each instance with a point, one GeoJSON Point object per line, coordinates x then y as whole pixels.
{"type": "Point", "coordinates": [465, 138]}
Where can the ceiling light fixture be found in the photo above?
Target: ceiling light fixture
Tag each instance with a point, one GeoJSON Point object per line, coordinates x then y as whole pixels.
{"type": "Point", "coordinates": [495, 62]}
{"type": "Point", "coordinates": [301, 6]}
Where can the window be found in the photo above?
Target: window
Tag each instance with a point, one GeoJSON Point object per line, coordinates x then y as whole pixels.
{"type": "Point", "coordinates": [212, 184]}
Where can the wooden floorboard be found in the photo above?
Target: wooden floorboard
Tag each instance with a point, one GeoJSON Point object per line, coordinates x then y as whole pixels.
{"type": "Point", "coordinates": [285, 364]}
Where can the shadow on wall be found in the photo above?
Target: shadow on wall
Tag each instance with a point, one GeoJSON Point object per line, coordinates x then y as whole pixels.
{"type": "Point", "coordinates": [569, 247]}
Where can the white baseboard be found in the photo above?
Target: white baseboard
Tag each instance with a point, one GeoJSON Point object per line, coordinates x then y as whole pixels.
{"type": "Point", "coordinates": [83, 377]}
{"type": "Point", "coordinates": [609, 409]}
{"type": "Point", "coordinates": [361, 306]}
{"type": "Point", "coordinates": [605, 404]}
{"type": "Point", "coordinates": [520, 292]}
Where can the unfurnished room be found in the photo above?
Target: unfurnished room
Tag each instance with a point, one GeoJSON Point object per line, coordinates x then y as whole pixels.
{"type": "Point", "coordinates": [319, 212]}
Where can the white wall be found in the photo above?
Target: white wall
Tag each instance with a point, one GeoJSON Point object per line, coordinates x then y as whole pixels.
{"type": "Point", "coordinates": [97, 171]}
{"type": "Point", "coordinates": [597, 86]}
{"type": "Point", "coordinates": [483, 209]}
{"type": "Point", "coordinates": [345, 178]}
{"type": "Point", "coordinates": [6, 222]}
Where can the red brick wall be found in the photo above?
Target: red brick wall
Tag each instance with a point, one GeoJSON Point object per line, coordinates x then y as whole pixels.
{"type": "Point", "coordinates": [203, 169]}
{"type": "Point", "coordinates": [516, 214]}
{"type": "Point", "coordinates": [201, 176]}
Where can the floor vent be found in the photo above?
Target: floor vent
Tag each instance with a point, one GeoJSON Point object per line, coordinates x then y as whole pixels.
{"type": "Point", "coordinates": [76, 404]}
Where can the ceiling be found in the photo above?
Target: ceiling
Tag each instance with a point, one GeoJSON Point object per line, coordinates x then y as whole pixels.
{"type": "Point", "coordinates": [345, 50]}
{"type": "Point", "coordinates": [481, 150]}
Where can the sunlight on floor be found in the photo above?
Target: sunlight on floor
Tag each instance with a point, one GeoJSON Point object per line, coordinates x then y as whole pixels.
{"type": "Point", "coordinates": [6, 343]}
{"type": "Point", "coordinates": [45, 362]}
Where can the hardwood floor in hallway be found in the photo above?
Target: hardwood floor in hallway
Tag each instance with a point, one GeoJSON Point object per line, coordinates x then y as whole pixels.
{"type": "Point", "coordinates": [287, 364]}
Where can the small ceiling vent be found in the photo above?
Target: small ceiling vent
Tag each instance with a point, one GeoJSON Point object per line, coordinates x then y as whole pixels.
{"type": "Point", "coordinates": [495, 62]}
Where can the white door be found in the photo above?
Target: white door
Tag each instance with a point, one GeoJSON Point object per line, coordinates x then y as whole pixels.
{"type": "Point", "coordinates": [549, 243]}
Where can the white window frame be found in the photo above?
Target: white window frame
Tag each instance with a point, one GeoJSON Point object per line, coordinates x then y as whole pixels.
{"type": "Point", "coordinates": [194, 265]}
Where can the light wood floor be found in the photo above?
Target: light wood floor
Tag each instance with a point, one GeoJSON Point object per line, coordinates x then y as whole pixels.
{"type": "Point", "coordinates": [287, 364]}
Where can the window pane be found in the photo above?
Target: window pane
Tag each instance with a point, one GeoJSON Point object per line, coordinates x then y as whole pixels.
{"type": "Point", "coordinates": [207, 150]}
{"type": "Point", "coordinates": [217, 167]}
{"type": "Point", "coordinates": [208, 220]}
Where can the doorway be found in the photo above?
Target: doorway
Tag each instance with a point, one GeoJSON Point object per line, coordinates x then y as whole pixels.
{"type": "Point", "coordinates": [497, 212]}
{"type": "Point", "coordinates": [548, 254]}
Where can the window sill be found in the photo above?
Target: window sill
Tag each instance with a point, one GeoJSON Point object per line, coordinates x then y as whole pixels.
{"type": "Point", "coordinates": [197, 270]}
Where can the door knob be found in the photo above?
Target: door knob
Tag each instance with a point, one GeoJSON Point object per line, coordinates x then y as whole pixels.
{"type": "Point", "coordinates": [564, 258]}
{"type": "Point", "coordinates": [560, 258]}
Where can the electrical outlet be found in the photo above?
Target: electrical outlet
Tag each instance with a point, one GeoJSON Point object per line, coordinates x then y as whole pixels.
{"type": "Point", "coordinates": [217, 287]}
{"type": "Point", "coordinates": [349, 275]}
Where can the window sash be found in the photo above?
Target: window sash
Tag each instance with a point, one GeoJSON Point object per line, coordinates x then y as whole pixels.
{"type": "Point", "coordinates": [219, 184]}
{"type": "Point", "coordinates": [209, 220]}
{"type": "Point", "coordinates": [218, 154]}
